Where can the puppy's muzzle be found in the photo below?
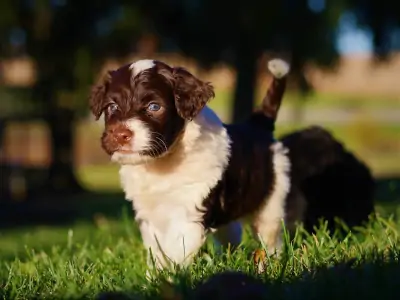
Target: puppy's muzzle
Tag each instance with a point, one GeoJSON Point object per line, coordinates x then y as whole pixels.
{"type": "Point", "coordinates": [118, 138]}
{"type": "Point", "coordinates": [122, 135]}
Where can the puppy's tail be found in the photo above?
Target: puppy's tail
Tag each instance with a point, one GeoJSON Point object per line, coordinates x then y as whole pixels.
{"type": "Point", "coordinates": [273, 98]}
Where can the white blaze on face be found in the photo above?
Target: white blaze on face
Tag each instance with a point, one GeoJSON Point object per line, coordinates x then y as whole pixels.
{"type": "Point", "coordinates": [141, 65]}
{"type": "Point", "coordinates": [141, 135]}
{"type": "Point", "coordinates": [141, 141]}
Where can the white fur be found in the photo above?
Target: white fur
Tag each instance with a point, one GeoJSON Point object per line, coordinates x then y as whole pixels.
{"type": "Point", "coordinates": [166, 202]}
{"type": "Point", "coordinates": [268, 221]}
{"type": "Point", "coordinates": [141, 65]}
{"type": "Point", "coordinates": [141, 141]}
{"type": "Point", "coordinates": [278, 67]}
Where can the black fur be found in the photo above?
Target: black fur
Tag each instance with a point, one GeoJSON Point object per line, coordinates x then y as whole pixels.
{"type": "Point", "coordinates": [332, 180]}
{"type": "Point", "coordinates": [249, 178]}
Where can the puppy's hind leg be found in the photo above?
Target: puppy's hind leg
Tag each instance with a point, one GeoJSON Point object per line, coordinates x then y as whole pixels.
{"type": "Point", "coordinates": [269, 230]}
{"type": "Point", "coordinates": [267, 222]}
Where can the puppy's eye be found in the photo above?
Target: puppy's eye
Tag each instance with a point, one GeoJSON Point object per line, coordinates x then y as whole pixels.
{"type": "Point", "coordinates": [112, 108]}
{"type": "Point", "coordinates": [153, 107]}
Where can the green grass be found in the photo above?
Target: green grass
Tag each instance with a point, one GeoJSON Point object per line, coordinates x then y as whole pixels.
{"type": "Point", "coordinates": [102, 253]}
{"type": "Point", "coordinates": [90, 257]}
{"type": "Point", "coordinates": [99, 177]}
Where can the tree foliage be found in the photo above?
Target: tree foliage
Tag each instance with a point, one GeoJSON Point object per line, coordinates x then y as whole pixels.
{"type": "Point", "coordinates": [68, 40]}
{"type": "Point", "coordinates": [238, 32]}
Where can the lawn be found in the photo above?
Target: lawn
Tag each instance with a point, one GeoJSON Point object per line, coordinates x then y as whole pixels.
{"type": "Point", "coordinates": [101, 254]}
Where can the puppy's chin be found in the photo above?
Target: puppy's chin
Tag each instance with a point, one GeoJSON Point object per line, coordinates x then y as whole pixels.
{"type": "Point", "coordinates": [125, 158]}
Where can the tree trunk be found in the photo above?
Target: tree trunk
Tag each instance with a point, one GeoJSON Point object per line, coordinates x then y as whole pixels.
{"type": "Point", "coordinates": [4, 174]}
{"type": "Point", "coordinates": [61, 178]}
{"type": "Point", "coordinates": [246, 68]}
{"type": "Point", "coordinates": [61, 173]}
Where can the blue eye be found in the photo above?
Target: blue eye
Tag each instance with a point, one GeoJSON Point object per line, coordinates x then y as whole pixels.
{"type": "Point", "coordinates": [154, 107]}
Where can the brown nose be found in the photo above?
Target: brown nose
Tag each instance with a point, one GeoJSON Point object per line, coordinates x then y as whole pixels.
{"type": "Point", "coordinates": [123, 135]}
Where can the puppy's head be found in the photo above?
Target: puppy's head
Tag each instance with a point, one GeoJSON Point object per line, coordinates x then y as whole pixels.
{"type": "Point", "coordinates": [146, 106]}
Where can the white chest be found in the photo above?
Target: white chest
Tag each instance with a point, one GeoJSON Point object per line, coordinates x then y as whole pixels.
{"type": "Point", "coordinates": [158, 197]}
{"type": "Point", "coordinates": [175, 186]}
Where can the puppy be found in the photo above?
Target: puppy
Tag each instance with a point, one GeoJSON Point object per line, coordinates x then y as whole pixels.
{"type": "Point", "coordinates": [327, 180]}
{"type": "Point", "coordinates": [187, 173]}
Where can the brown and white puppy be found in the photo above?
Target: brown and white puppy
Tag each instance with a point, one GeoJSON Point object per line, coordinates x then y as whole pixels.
{"type": "Point", "coordinates": [185, 171]}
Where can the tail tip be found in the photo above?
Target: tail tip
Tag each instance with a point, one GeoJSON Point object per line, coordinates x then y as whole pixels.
{"type": "Point", "coordinates": [278, 67]}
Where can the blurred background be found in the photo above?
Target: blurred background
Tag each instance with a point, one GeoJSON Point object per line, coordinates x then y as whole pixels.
{"type": "Point", "coordinates": [345, 58]}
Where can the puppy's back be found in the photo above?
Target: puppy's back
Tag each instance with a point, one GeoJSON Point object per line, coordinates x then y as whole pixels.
{"type": "Point", "coordinates": [331, 179]}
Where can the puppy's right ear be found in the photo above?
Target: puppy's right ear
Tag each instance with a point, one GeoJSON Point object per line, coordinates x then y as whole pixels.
{"type": "Point", "coordinates": [97, 98]}
{"type": "Point", "coordinates": [191, 93]}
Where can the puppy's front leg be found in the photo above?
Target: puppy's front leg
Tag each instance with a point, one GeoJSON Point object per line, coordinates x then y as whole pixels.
{"type": "Point", "coordinates": [176, 243]}
{"type": "Point", "coordinates": [182, 241]}
{"type": "Point", "coordinates": [149, 235]}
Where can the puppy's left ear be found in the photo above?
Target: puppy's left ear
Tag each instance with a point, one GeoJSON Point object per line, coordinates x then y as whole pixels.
{"type": "Point", "coordinates": [191, 94]}
{"type": "Point", "coordinates": [97, 96]}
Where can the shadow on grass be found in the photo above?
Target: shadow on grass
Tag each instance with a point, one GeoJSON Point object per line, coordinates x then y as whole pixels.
{"type": "Point", "coordinates": [62, 210]}
{"type": "Point", "coordinates": [346, 280]}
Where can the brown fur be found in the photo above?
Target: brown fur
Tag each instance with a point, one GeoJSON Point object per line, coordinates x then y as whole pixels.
{"type": "Point", "coordinates": [180, 94]}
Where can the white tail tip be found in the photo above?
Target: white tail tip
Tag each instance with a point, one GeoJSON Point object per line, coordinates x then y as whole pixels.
{"type": "Point", "coordinates": [278, 67]}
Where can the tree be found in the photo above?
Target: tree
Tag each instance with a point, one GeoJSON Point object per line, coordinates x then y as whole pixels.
{"type": "Point", "coordinates": [238, 33]}
{"type": "Point", "coordinates": [383, 19]}
{"type": "Point", "coordinates": [68, 41]}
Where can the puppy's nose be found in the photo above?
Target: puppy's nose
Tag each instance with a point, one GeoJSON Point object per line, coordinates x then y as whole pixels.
{"type": "Point", "coordinates": [123, 135]}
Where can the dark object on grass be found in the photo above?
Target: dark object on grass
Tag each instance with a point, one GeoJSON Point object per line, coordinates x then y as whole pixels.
{"type": "Point", "coordinates": [327, 180]}
{"type": "Point", "coordinates": [115, 296]}
{"type": "Point", "coordinates": [231, 285]}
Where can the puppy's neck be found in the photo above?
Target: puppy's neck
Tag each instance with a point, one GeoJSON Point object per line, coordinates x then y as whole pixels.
{"type": "Point", "coordinates": [203, 138]}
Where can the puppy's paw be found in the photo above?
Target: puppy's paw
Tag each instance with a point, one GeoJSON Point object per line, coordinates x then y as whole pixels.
{"type": "Point", "coordinates": [259, 257]}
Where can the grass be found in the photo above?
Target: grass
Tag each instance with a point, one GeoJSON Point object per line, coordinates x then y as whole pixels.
{"type": "Point", "coordinates": [91, 257]}
{"type": "Point", "coordinates": [102, 253]}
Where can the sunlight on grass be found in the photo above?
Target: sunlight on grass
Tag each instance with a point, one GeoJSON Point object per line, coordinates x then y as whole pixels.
{"type": "Point", "coordinates": [99, 177]}
{"type": "Point", "coordinates": [315, 100]}
{"type": "Point", "coordinates": [86, 259]}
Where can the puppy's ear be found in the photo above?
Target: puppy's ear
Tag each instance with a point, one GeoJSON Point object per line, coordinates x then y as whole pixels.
{"type": "Point", "coordinates": [191, 94]}
{"type": "Point", "coordinates": [97, 96]}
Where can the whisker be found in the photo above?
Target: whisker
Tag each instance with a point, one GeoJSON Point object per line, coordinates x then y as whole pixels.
{"type": "Point", "coordinates": [151, 148]}
{"type": "Point", "coordinates": [158, 142]}
{"type": "Point", "coordinates": [155, 150]}
{"type": "Point", "coordinates": [162, 143]}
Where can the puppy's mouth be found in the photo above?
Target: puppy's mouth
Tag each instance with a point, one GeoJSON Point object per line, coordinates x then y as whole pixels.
{"type": "Point", "coordinates": [123, 151]}
{"type": "Point", "coordinates": [119, 150]}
